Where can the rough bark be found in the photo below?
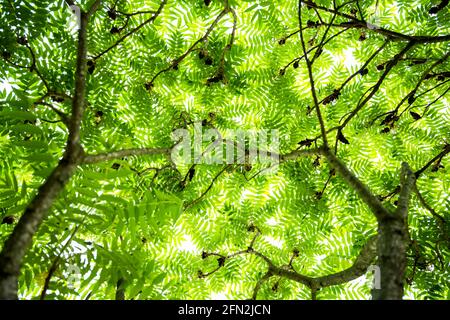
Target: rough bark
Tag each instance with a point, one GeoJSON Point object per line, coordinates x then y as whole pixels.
{"type": "Point", "coordinates": [392, 245]}
{"type": "Point", "coordinates": [20, 240]}
{"type": "Point", "coordinates": [393, 242]}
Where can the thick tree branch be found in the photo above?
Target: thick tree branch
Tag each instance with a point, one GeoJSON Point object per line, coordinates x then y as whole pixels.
{"type": "Point", "coordinates": [393, 242]}
{"type": "Point", "coordinates": [260, 282]}
{"type": "Point", "coordinates": [20, 240]}
{"type": "Point", "coordinates": [360, 188]}
{"type": "Point", "coordinates": [95, 158]}
{"type": "Point", "coordinates": [365, 258]}
{"type": "Point", "coordinates": [407, 181]}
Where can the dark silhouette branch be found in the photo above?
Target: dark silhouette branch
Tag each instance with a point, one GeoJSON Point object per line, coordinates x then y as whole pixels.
{"type": "Point", "coordinates": [442, 154]}
{"type": "Point", "coordinates": [194, 202]}
{"type": "Point", "coordinates": [334, 96]}
{"type": "Point", "coordinates": [377, 86]}
{"type": "Point", "coordinates": [298, 59]}
{"type": "Point", "coordinates": [175, 62]}
{"type": "Point", "coordinates": [359, 24]}
{"type": "Point", "coordinates": [311, 78]}
{"type": "Point", "coordinates": [133, 31]}
{"type": "Point", "coordinates": [410, 97]}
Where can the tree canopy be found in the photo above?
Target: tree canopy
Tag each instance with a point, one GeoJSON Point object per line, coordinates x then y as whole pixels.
{"type": "Point", "coordinates": [93, 205]}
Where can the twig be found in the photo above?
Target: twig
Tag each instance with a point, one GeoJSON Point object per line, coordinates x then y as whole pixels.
{"type": "Point", "coordinates": [133, 31]}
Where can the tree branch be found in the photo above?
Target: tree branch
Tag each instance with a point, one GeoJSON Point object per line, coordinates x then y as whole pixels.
{"type": "Point", "coordinates": [311, 79]}
{"type": "Point", "coordinates": [131, 32]}
{"type": "Point", "coordinates": [20, 240]}
{"type": "Point", "coordinates": [95, 158]}
{"type": "Point", "coordinates": [175, 62]}
{"type": "Point", "coordinates": [377, 86]}
{"type": "Point", "coordinates": [55, 262]}
{"type": "Point", "coordinates": [356, 23]}
{"type": "Point", "coordinates": [360, 188]}
{"type": "Point", "coordinates": [359, 267]}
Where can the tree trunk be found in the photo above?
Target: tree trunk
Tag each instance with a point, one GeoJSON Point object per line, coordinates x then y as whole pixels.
{"type": "Point", "coordinates": [392, 245]}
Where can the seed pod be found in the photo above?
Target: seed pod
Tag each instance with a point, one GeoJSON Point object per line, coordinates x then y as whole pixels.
{"type": "Point", "coordinates": [341, 138]}
{"type": "Point", "coordinates": [57, 99]}
{"type": "Point", "coordinates": [364, 71]}
{"type": "Point", "coordinates": [380, 67]}
{"type": "Point", "coordinates": [115, 166]}
{"type": "Point", "coordinates": [148, 86]}
{"type": "Point", "coordinates": [208, 61]}
{"type": "Point", "coordinates": [112, 14]}
{"type": "Point", "coordinates": [310, 24]}
{"type": "Point", "coordinates": [433, 10]}
{"type": "Point", "coordinates": [316, 162]}
{"type": "Point", "coordinates": [114, 30]}
{"type": "Point", "coordinates": [221, 261]}
{"type": "Point", "coordinates": [306, 142]}
{"type": "Point", "coordinates": [22, 40]}
{"type": "Point", "coordinates": [295, 65]}
{"type": "Point", "coordinates": [318, 53]}
{"type": "Point", "coordinates": [411, 99]}
{"type": "Point", "coordinates": [207, 2]}
{"type": "Point", "coordinates": [215, 79]}
{"type": "Point", "coordinates": [282, 41]}
{"type": "Point", "coordinates": [415, 115]}
{"type": "Point", "coordinates": [91, 66]}
{"type": "Point", "coordinates": [8, 220]}
{"type": "Point", "coordinates": [191, 173]}
{"type": "Point", "coordinates": [6, 55]}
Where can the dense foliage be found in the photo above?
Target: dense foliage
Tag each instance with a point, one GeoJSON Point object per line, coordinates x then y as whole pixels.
{"type": "Point", "coordinates": [141, 226]}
